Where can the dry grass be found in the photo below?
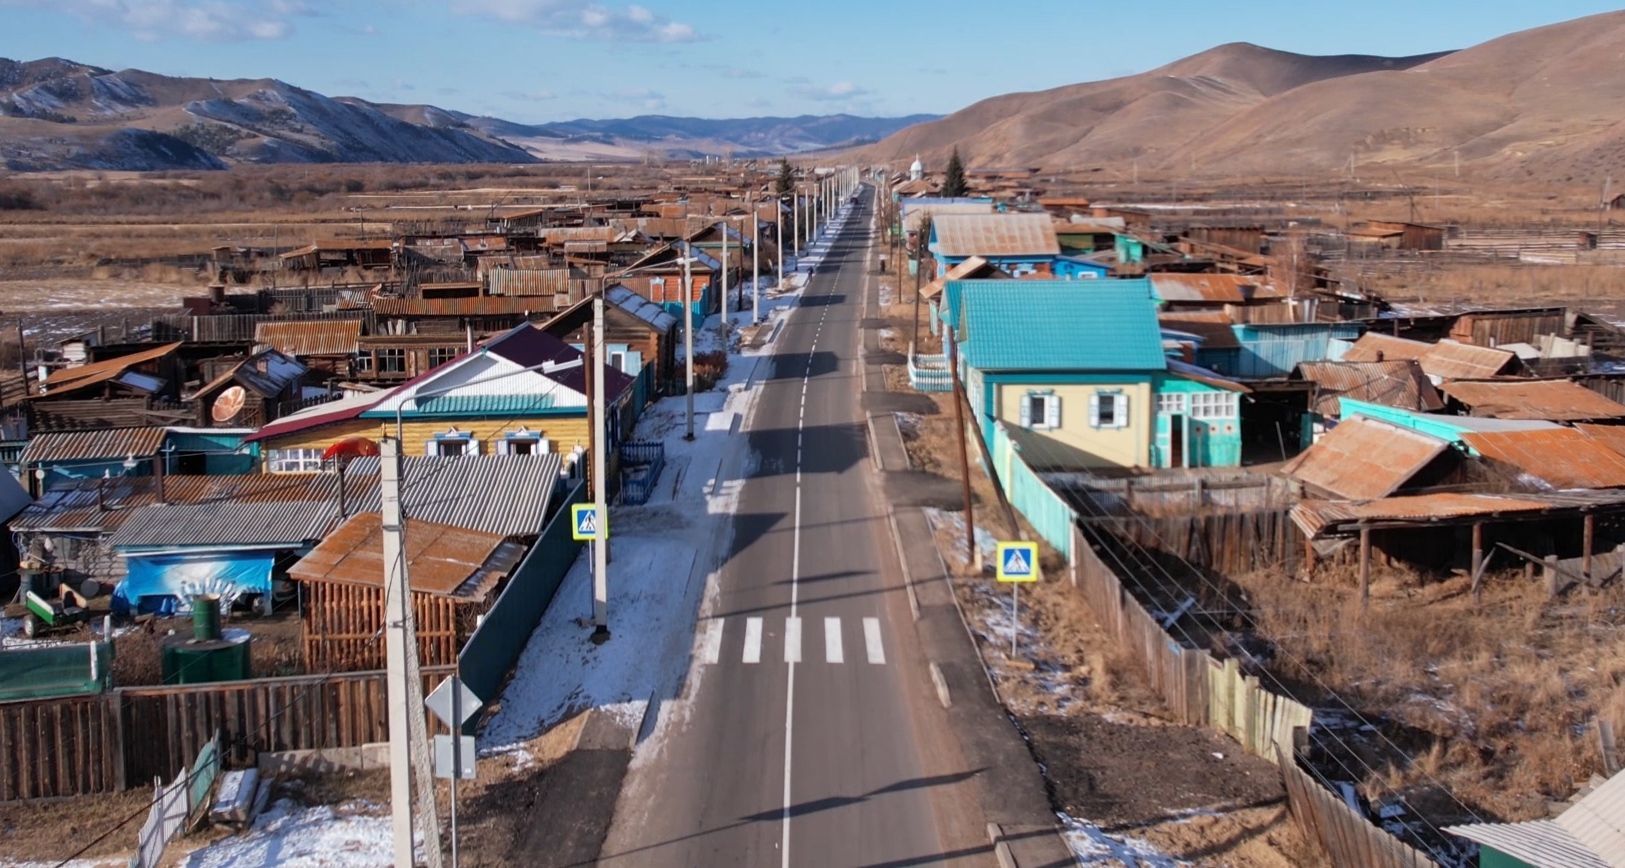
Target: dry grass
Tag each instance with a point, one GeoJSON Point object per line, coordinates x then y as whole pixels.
{"type": "Point", "coordinates": [1499, 700]}
{"type": "Point", "coordinates": [1589, 286]}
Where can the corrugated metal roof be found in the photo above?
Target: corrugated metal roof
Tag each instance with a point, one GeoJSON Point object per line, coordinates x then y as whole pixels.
{"type": "Point", "coordinates": [93, 445]}
{"type": "Point", "coordinates": [1318, 517]}
{"type": "Point", "coordinates": [1363, 459]}
{"type": "Point", "coordinates": [1213, 327]}
{"type": "Point", "coordinates": [1059, 325]}
{"type": "Point", "coordinates": [914, 217]}
{"type": "Point", "coordinates": [1213, 288]}
{"type": "Point", "coordinates": [1399, 383]}
{"type": "Point", "coordinates": [502, 494]}
{"type": "Point", "coordinates": [1373, 347]}
{"type": "Point", "coordinates": [342, 410]}
{"type": "Point", "coordinates": [1560, 457]}
{"type": "Point", "coordinates": [1450, 360]}
{"type": "Point", "coordinates": [442, 559]}
{"type": "Point", "coordinates": [529, 282]}
{"type": "Point", "coordinates": [331, 337]}
{"type": "Point", "coordinates": [79, 377]}
{"type": "Point", "coordinates": [974, 268]}
{"type": "Point", "coordinates": [1612, 436]}
{"type": "Point", "coordinates": [1554, 400]}
{"type": "Point", "coordinates": [1589, 834]}
{"type": "Point", "coordinates": [491, 305]}
{"type": "Point", "coordinates": [994, 235]}
{"type": "Point", "coordinates": [234, 522]}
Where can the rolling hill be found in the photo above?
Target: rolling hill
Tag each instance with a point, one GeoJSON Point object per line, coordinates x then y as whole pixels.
{"type": "Point", "coordinates": [60, 114]}
{"type": "Point", "coordinates": [1541, 104]}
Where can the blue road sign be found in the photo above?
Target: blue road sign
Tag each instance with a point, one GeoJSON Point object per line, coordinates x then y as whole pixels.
{"type": "Point", "coordinates": [587, 524]}
{"type": "Point", "coordinates": [1018, 562]}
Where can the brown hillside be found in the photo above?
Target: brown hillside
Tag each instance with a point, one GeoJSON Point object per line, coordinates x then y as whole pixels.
{"type": "Point", "coordinates": [1546, 104]}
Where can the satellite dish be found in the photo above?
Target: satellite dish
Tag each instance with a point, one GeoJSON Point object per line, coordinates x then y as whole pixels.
{"type": "Point", "coordinates": [229, 404]}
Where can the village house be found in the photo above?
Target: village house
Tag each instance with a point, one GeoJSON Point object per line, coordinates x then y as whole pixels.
{"type": "Point", "coordinates": [1079, 378]}
{"type": "Point", "coordinates": [640, 337]}
{"type": "Point", "coordinates": [659, 276]}
{"type": "Point", "coordinates": [461, 408]}
{"type": "Point", "coordinates": [1019, 244]}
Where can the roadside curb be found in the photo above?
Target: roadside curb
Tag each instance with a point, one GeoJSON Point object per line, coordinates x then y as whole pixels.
{"type": "Point", "coordinates": [902, 559]}
{"type": "Point", "coordinates": [943, 695]}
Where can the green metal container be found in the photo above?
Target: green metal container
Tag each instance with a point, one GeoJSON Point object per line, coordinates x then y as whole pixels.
{"type": "Point", "coordinates": [206, 617]}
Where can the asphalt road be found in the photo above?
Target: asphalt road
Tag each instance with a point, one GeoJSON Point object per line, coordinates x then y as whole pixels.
{"type": "Point", "coordinates": [810, 734]}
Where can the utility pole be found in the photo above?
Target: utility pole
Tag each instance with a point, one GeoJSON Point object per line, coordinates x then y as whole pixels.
{"type": "Point", "coordinates": [600, 469]}
{"type": "Point", "coordinates": [795, 224]}
{"type": "Point", "coordinates": [778, 229]}
{"type": "Point", "coordinates": [972, 554]}
{"type": "Point", "coordinates": [408, 736]}
{"type": "Point", "coordinates": [755, 262]}
{"type": "Point", "coordinates": [688, 329]}
{"type": "Point", "coordinates": [727, 316]}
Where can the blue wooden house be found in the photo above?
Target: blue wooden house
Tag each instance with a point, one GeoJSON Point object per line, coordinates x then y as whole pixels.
{"type": "Point", "coordinates": [1018, 244]}
{"type": "Point", "coordinates": [1078, 377]}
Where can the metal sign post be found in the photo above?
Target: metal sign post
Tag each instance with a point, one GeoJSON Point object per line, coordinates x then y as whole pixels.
{"type": "Point", "coordinates": [1017, 566]}
{"type": "Point", "coordinates": [454, 704]}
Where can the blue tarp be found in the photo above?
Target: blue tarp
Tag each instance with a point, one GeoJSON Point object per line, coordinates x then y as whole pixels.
{"type": "Point", "coordinates": [160, 582]}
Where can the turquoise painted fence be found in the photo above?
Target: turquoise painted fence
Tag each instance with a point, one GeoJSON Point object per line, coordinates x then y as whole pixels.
{"type": "Point", "coordinates": [496, 645]}
{"type": "Point", "coordinates": [1046, 511]}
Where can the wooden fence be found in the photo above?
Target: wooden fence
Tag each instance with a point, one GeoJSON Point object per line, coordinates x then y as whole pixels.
{"type": "Point", "coordinates": [1347, 836]}
{"type": "Point", "coordinates": [1201, 690]}
{"type": "Point", "coordinates": [98, 744]}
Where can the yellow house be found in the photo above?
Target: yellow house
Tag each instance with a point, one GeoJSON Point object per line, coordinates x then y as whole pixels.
{"type": "Point", "coordinates": [522, 393]}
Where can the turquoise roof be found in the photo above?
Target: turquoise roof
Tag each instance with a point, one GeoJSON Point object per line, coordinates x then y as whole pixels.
{"type": "Point", "coordinates": [1060, 325]}
{"type": "Point", "coordinates": [446, 406]}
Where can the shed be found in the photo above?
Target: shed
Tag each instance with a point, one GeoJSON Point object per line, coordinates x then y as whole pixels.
{"type": "Point", "coordinates": [1552, 400]}
{"type": "Point", "coordinates": [1553, 458]}
{"type": "Point", "coordinates": [1399, 383]}
{"type": "Point", "coordinates": [1589, 834]}
{"type": "Point", "coordinates": [1363, 459]}
{"type": "Point", "coordinates": [455, 575]}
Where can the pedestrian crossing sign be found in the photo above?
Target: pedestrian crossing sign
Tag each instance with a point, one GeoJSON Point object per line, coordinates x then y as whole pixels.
{"type": "Point", "coordinates": [1018, 562]}
{"type": "Point", "coordinates": [586, 524]}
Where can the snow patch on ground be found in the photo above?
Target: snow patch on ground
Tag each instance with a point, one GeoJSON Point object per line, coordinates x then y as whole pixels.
{"type": "Point", "coordinates": [953, 521]}
{"type": "Point", "coordinates": [1093, 846]}
{"type": "Point", "coordinates": [352, 835]}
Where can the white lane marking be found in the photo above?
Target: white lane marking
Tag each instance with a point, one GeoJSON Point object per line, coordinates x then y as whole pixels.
{"type": "Point", "coordinates": [832, 641]}
{"type": "Point", "coordinates": [792, 640]}
{"type": "Point", "coordinates": [871, 641]}
{"type": "Point", "coordinates": [753, 640]}
{"type": "Point", "coordinates": [711, 650]}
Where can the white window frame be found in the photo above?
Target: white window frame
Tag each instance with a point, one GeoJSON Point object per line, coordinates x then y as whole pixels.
{"type": "Point", "coordinates": [1171, 403]}
{"type": "Point", "coordinates": [1212, 406]}
{"type": "Point", "coordinates": [1049, 419]}
{"type": "Point", "coordinates": [471, 444]}
{"type": "Point", "coordinates": [299, 459]}
{"type": "Point", "coordinates": [539, 445]}
{"type": "Point", "coordinates": [1120, 410]}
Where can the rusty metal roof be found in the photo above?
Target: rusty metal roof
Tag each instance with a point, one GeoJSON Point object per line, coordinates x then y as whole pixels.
{"type": "Point", "coordinates": [1213, 288]}
{"type": "Point", "coordinates": [1553, 400]}
{"type": "Point", "coordinates": [529, 282]}
{"type": "Point", "coordinates": [1363, 459]}
{"type": "Point", "coordinates": [328, 337]}
{"type": "Point", "coordinates": [1452, 360]}
{"type": "Point", "coordinates": [1373, 347]}
{"type": "Point", "coordinates": [1612, 436]}
{"type": "Point", "coordinates": [1319, 518]}
{"type": "Point", "coordinates": [79, 377]}
{"type": "Point", "coordinates": [995, 235]}
{"type": "Point", "coordinates": [976, 267]}
{"type": "Point", "coordinates": [490, 305]}
{"type": "Point", "coordinates": [1399, 383]}
{"type": "Point", "coordinates": [1558, 457]}
{"type": "Point", "coordinates": [93, 445]}
{"type": "Point", "coordinates": [443, 559]}
{"type": "Point", "coordinates": [1213, 327]}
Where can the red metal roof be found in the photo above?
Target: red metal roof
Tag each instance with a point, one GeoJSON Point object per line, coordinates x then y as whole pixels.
{"type": "Point", "coordinates": [311, 337]}
{"type": "Point", "coordinates": [1553, 400]}
{"type": "Point", "coordinates": [1373, 347]}
{"type": "Point", "coordinates": [1559, 457]}
{"type": "Point", "coordinates": [1363, 459]}
{"type": "Point", "coordinates": [1451, 360]}
{"type": "Point", "coordinates": [445, 560]}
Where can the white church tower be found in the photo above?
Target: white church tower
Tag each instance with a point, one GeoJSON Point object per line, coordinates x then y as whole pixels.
{"type": "Point", "coordinates": [916, 171]}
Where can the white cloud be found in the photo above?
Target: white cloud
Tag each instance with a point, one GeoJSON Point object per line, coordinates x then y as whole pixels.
{"type": "Point", "coordinates": [203, 20]}
{"type": "Point", "coordinates": [837, 92]}
{"type": "Point", "coordinates": [583, 19]}
{"type": "Point", "coordinates": [649, 100]}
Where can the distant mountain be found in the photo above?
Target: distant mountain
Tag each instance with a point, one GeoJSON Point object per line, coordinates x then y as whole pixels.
{"type": "Point", "coordinates": [60, 114]}
{"type": "Point", "coordinates": [1544, 104]}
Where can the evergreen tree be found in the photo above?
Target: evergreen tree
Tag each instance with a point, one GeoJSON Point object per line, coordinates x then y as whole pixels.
{"type": "Point", "coordinates": [954, 184]}
{"type": "Point", "coordinates": [786, 184]}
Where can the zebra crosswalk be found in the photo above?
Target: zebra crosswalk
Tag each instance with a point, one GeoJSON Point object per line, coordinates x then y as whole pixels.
{"type": "Point", "coordinates": [752, 640]}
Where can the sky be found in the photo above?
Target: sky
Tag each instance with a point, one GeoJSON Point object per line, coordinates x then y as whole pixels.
{"type": "Point", "coordinates": [545, 60]}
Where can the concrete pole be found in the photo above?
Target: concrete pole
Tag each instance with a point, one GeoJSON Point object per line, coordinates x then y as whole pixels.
{"type": "Point", "coordinates": [600, 470]}
{"type": "Point", "coordinates": [755, 262]}
{"type": "Point", "coordinates": [778, 229]}
{"type": "Point", "coordinates": [395, 610]}
{"type": "Point", "coordinates": [795, 225]}
{"type": "Point", "coordinates": [688, 331]}
{"type": "Point", "coordinates": [726, 317]}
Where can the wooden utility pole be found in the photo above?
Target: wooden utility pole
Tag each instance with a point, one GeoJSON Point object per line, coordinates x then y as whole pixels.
{"type": "Point", "coordinates": [972, 556]}
{"type": "Point", "coordinates": [1365, 568]}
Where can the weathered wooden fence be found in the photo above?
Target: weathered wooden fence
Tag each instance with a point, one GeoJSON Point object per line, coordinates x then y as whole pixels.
{"type": "Point", "coordinates": [97, 744]}
{"type": "Point", "coordinates": [1347, 836]}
